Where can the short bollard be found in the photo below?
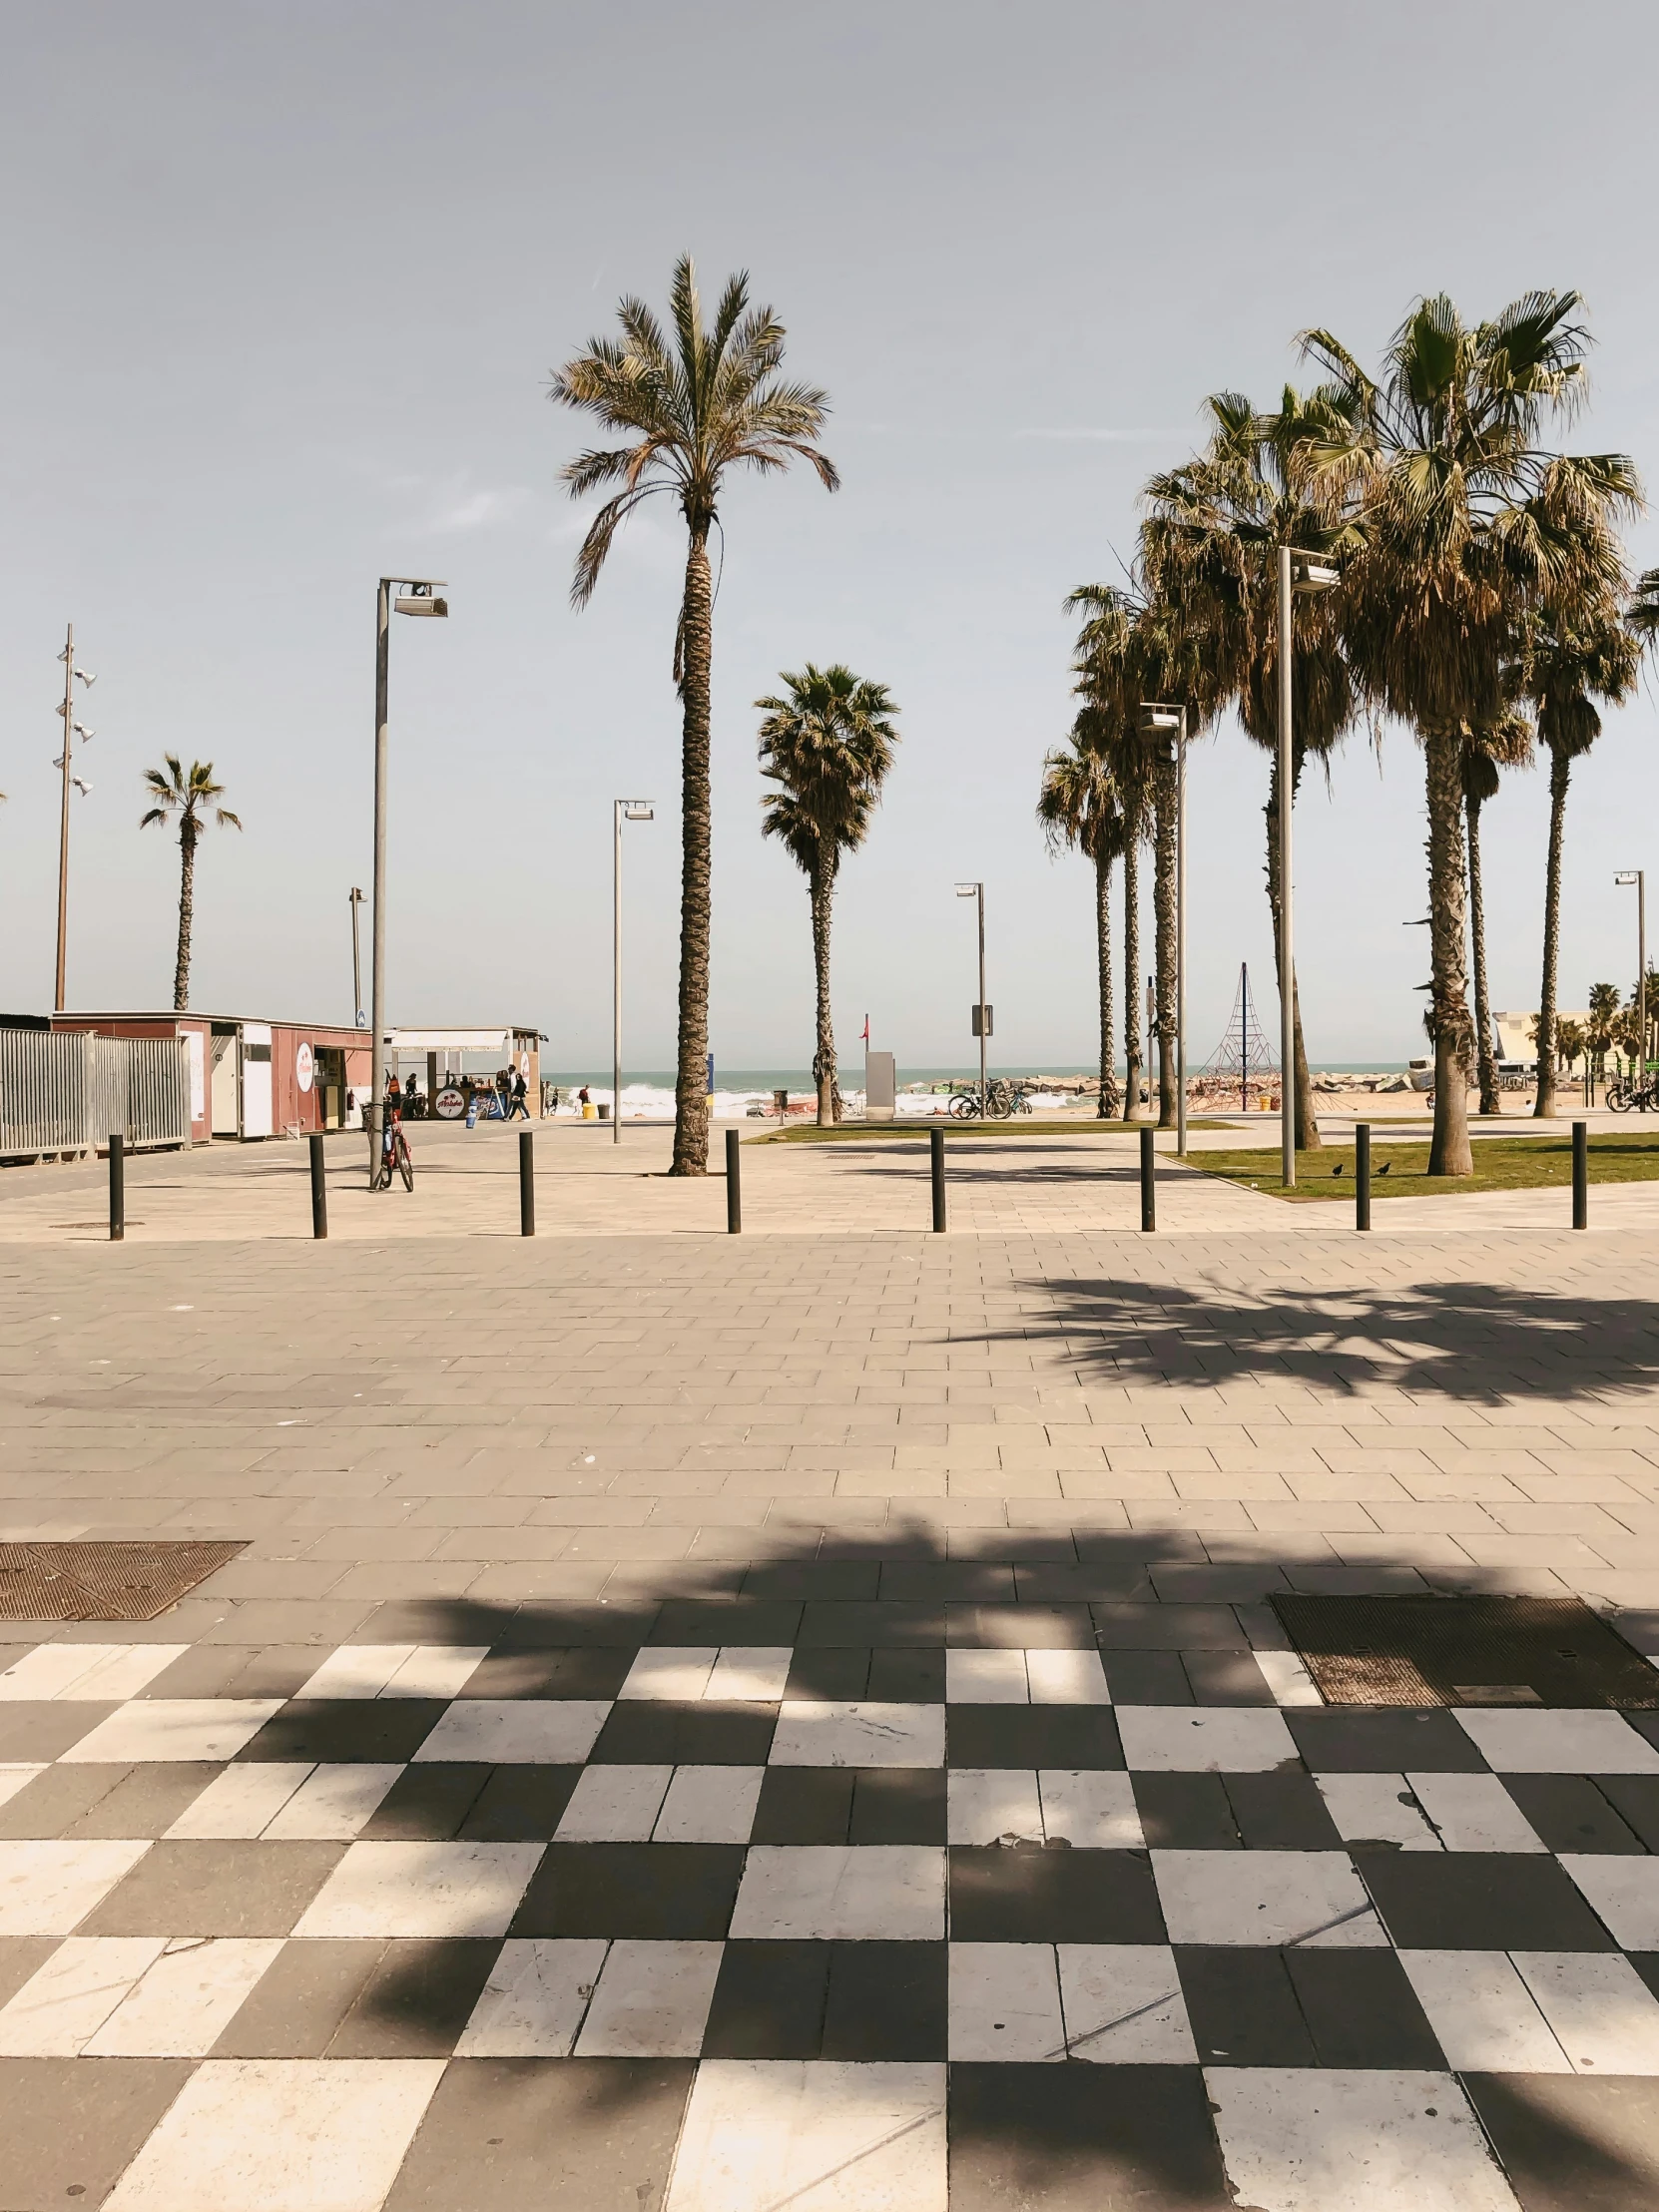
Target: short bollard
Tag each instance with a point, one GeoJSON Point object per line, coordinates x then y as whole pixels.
{"type": "Point", "coordinates": [526, 1184]}
{"type": "Point", "coordinates": [117, 1187]}
{"type": "Point", "coordinates": [733, 1185]}
{"type": "Point", "coordinates": [320, 1189]}
{"type": "Point", "coordinates": [935, 1162]}
{"type": "Point", "coordinates": [1361, 1175]}
{"type": "Point", "coordinates": [1149, 1191]}
{"type": "Point", "coordinates": [1581, 1175]}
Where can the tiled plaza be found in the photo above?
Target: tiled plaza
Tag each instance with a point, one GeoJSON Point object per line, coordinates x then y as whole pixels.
{"type": "Point", "coordinates": [715, 1725]}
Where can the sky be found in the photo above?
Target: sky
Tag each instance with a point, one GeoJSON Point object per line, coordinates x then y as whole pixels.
{"type": "Point", "coordinates": [286, 287]}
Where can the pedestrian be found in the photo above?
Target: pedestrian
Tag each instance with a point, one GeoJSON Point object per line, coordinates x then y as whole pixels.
{"type": "Point", "coordinates": [582, 1098]}
{"type": "Point", "coordinates": [504, 1090]}
{"type": "Point", "coordinates": [521, 1100]}
{"type": "Point", "coordinates": [411, 1098]}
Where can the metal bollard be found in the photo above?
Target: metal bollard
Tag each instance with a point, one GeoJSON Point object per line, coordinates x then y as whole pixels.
{"type": "Point", "coordinates": [1581, 1175]}
{"type": "Point", "coordinates": [733, 1185]}
{"type": "Point", "coordinates": [320, 1189]}
{"type": "Point", "coordinates": [1149, 1193]}
{"type": "Point", "coordinates": [1361, 1175]}
{"type": "Point", "coordinates": [117, 1187]}
{"type": "Point", "coordinates": [526, 1183]}
{"type": "Point", "coordinates": [935, 1162]}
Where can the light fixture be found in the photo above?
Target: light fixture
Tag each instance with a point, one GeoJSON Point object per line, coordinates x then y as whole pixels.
{"type": "Point", "coordinates": [967, 890]}
{"type": "Point", "coordinates": [421, 599]}
{"type": "Point", "coordinates": [1309, 574]}
{"type": "Point", "coordinates": [638, 810]}
{"type": "Point", "coordinates": [1625, 876]}
{"type": "Point", "coordinates": [1155, 716]}
{"type": "Point", "coordinates": [81, 730]}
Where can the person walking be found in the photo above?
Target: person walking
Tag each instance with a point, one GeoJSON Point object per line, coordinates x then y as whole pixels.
{"type": "Point", "coordinates": [504, 1090]}
{"type": "Point", "coordinates": [521, 1097]}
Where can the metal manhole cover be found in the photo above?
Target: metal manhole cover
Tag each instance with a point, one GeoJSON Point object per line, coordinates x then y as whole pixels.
{"type": "Point", "coordinates": [102, 1582]}
{"type": "Point", "coordinates": [1466, 1651]}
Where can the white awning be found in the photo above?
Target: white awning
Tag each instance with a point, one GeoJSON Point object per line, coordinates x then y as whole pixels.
{"type": "Point", "coordinates": [500, 1041]}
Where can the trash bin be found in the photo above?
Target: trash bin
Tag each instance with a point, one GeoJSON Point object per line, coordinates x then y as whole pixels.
{"type": "Point", "coordinates": [604, 1111]}
{"type": "Point", "coordinates": [781, 1104]}
{"type": "Point", "coordinates": [588, 1112]}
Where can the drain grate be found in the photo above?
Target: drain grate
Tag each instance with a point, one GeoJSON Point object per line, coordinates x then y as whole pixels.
{"type": "Point", "coordinates": [102, 1582]}
{"type": "Point", "coordinates": [1466, 1651]}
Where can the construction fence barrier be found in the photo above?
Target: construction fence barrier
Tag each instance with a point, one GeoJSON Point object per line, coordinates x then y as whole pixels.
{"type": "Point", "coordinates": [71, 1091]}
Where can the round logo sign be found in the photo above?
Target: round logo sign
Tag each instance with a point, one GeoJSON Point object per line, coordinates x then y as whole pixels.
{"type": "Point", "coordinates": [303, 1067]}
{"type": "Point", "coordinates": [451, 1105]}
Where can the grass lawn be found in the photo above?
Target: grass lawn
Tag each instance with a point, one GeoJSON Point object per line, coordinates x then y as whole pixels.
{"type": "Point", "coordinates": [916, 1126]}
{"type": "Point", "coordinates": [1500, 1164]}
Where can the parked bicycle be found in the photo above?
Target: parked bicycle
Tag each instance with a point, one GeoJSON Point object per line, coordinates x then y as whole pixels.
{"type": "Point", "coordinates": [395, 1153]}
{"type": "Point", "coordinates": [1622, 1095]}
{"type": "Point", "coordinates": [1002, 1101]}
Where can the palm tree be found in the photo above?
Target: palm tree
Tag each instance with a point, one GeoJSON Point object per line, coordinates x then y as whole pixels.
{"type": "Point", "coordinates": [1108, 726]}
{"type": "Point", "coordinates": [709, 400]}
{"type": "Point", "coordinates": [1211, 545]}
{"type": "Point", "coordinates": [1464, 524]}
{"type": "Point", "coordinates": [1598, 1030]}
{"type": "Point", "coordinates": [1485, 752]}
{"type": "Point", "coordinates": [827, 745]}
{"type": "Point", "coordinates": [188, 793]}
{"type": "Point", "coordinates": [1567, 663]}
{"type": "Point", "coordinates": [1079, 806]}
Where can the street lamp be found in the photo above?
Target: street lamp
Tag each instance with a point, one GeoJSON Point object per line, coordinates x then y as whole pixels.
{"type": "Point", "coordinates": [622, 809]}
{"type": "Point", "coordinates": [1297, 571]}
{"type": "Point", "coordinates": [355, 899]}
{"type": "Point", "coordinates": [981, 1012]}
{"type": "Point", "coordinates": [1638, 876]}
{"type": "Point", "coordinates": [414, 596]}
{"type": "Point", "coordinates": [65, 760]}
{"type": "Point", "coordinates": [1158, 721]}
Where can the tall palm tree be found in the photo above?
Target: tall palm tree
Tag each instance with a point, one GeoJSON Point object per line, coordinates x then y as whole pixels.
{"type": "Point", "coordinates": [827, 745]}
{"type": "Point", "coordinates": [1079, 806]}
{"type": "Point", "coordinates": [1570, 661]}
{"type": "Point", "coordinates": [1464, 523]}
{"type": "Point", "coordinates": [1485, 752]}
{"type": "Point", "coordinates": [1211, 545]}
{"type": "Point", "coordinates": [191, 795]}
{"type": "Point", "coordinates": [1127, 653]}
{"type": "Point", "coordinates": [707, 399]}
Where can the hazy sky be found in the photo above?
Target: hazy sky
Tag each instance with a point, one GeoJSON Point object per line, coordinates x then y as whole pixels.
{"type": "Point", "coordinates": [284, 286]}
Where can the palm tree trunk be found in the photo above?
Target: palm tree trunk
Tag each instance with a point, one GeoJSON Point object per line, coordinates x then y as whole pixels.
{"type": "Point", "coordinates": [1163, 906]}
{"type": "Point", "coordinates": [1484, 1059]}
{"type": "Point", "coordinates": [1561, 771]}
{"type": "Point", "coordinates": [186, 913]}
{"type": "Point", "coordinates": [821, 885]}
{"type": "Point", "coordinates": [694, 657]}
{"type": "Point", "coordinates": [1103, 962]}
{"type": "Point", "coordinates": [1305, 1133]}
{"type": "Point", "coordinates": [1132, 978]}
{"type": "Point", "coordinates": [1448, 1151]}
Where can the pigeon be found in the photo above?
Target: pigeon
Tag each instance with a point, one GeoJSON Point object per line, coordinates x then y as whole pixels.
{"type": "Point", "coordinates": [1337, 1169]}
{"type": "Point", "coordinates": [1383, 1168]}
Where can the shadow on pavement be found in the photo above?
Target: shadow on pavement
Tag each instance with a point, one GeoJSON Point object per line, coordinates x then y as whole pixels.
{"type": "Point", "coordinates": [1478, 1342]}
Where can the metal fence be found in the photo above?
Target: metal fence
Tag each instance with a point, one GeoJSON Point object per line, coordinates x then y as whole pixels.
{"type": "Point", "coordinates": [69, 1092]}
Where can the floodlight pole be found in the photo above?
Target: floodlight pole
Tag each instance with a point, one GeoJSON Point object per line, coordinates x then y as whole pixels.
{"type": "Point", "coordinates": [1181, 938]}
{"type": "Point", "coordinates": [979, 893]}
{"type": "Point", "coordinates": [58, 1000]}
{"type": "Point", "coordinates": [1286, 971]}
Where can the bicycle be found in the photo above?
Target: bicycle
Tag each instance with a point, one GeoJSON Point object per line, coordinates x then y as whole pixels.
{"type": "Point", "coordinates": [394, 1152]}
{"type": "Point", "coordinates": [1622, 1094]}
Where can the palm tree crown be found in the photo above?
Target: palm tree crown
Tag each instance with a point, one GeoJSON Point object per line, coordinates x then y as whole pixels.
{"type": "Point", "coordinates": [690, 406]}
{"type": "Point", "coordinates": [826, 745]}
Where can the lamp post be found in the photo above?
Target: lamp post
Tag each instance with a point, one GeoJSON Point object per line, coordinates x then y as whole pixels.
{"type": "Point", "coordinates": [414, 596]}
{"type": "Point", "coordinates": [65, 760]}
{"type": "Point", "coordinates": [1301, 572]}
{"type": "Point", "coordinates": [1157, 721]}
{"type": "Point", "coordinates": [1638, 876]}
{"type": "Point", "coordinates": [981, 1013]}
{"type": "Point", "coordinates": [622, 809]}
{"type": "Point", "coordinates": [355, 899]}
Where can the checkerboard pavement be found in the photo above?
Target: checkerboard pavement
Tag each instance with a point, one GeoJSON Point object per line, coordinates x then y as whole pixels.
{"type": "Point", "coordinates": [734, 1905]}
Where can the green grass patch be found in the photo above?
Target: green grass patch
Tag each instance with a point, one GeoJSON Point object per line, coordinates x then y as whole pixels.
{"type": "Point", "coordinates": [914, 1127]}
{"type": "Point", "coordinates": [1500, 1164]}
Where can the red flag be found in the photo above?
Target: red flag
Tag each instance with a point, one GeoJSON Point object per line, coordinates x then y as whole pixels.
{"type": "Point", "coordinates": [866, 1029]}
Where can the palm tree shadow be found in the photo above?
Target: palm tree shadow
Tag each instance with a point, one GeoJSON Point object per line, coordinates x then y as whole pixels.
{"type": "Point", "coordinates": [606, 2129]}
{"type": "Point", "coordinates": [1480, 1343]}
